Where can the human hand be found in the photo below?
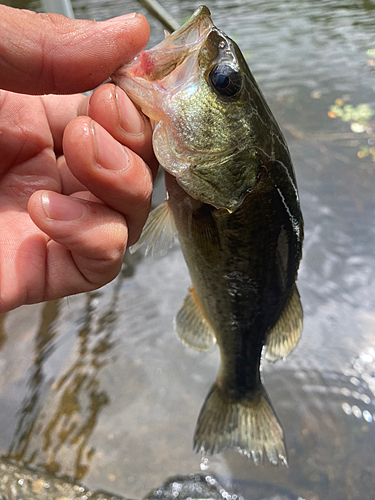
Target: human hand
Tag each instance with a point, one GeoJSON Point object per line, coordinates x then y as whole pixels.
{"type": "Point", "coordinates": [75, 172]}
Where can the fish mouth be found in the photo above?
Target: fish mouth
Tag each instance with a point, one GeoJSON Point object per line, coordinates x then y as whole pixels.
{"type": "Point", "coordinates": [159, 62]}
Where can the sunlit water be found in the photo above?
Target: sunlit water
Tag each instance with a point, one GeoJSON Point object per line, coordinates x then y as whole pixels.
{"type": "Point", "coordinates": [98, 387]}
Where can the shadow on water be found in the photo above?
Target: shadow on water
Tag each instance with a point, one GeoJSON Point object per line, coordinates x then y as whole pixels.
{"type": "Point", "coordinates": [97, 387]}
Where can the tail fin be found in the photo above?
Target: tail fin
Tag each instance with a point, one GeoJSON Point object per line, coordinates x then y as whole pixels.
{"type": "Point", "coordinates": [249, 425]}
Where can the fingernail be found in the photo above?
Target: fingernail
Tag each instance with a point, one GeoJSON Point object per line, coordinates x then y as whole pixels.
{"type": "Point", "coordinates": [130, 119]}
{"type": "Point", "coordinates": [121, 18]}
{"type": "Point", "coordinates": [109, 153]}
{"type": "Point", "coordinates": [64, 208]}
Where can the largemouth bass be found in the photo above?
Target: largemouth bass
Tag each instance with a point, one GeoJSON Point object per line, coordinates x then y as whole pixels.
{"type": "Point", "coordinates": [233, 201]}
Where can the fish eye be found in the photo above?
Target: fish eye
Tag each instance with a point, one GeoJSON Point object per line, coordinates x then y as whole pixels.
{"type": "Point", "coordinates": [225, 79]}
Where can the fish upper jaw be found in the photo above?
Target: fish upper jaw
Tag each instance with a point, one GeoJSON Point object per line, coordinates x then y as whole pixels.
{"type": "Point", "coordinates": [157, 62]}
{"type": "Point", "coordinates": [164, 67]}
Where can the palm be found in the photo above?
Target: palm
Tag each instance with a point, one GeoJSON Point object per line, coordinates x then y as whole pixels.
{"type": "Point", "coordinates": [40, 260]}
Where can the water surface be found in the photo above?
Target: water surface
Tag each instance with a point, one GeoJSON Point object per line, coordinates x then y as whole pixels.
{"type": "Point", "coordinates": [98, 387]}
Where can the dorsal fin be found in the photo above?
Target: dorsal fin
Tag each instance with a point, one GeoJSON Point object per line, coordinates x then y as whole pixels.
{"type": "Point", "coordinates": [159, 233]}
{"type": "Point", "coordinates": [191, 324]}
{"type": "Point", "coordinates": [284, 336]}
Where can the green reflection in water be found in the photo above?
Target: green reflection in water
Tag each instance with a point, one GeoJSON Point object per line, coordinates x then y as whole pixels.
{"type": "Point", "coordinates": [74, 419]}
{"type": "Point", "coordinates": [58, 418]}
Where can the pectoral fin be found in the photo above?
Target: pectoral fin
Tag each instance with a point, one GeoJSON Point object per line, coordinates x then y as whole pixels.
{"type": "Point", "coordinates": [192, 326]}
{"type": "Point", "coordinates": [284, 336]}
{"type": "Point", "coordinates": [159, 233]}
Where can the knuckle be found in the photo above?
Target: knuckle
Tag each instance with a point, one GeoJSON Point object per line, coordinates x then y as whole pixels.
{"type": "Point", "coordinates": [106, 255]}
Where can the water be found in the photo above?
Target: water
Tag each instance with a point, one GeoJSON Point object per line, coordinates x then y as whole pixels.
{"type": "Point", "coordinates": [99, 388]}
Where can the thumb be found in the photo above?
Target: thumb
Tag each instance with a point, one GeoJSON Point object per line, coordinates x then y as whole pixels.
{"type": "Point", "coordinates": [50, 53]}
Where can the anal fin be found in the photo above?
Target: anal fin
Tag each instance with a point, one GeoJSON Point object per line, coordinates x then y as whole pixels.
{"type": "Point", "coordinates": [191, 324]}
{"type": "Point", "coordinates": [159, 233]}
{"type": "Point", "coordinates": [284, 336]}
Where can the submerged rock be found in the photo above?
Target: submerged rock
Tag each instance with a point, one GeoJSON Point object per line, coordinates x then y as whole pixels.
{"type": "Point", "coordinates": [25, 483]}
{"type": "Point", "coordinates": [19, 482]}
{"type": "Point", "coordinates": [206, 487]}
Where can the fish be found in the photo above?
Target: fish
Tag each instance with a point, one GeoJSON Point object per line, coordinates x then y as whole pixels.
{"type": "Point", "coordinates": [232, 200]}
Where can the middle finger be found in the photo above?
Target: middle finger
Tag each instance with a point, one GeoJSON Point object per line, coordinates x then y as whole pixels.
{"type": "Point", "coordinates": [112, 172]}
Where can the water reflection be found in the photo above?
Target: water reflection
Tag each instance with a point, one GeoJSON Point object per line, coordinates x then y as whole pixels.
{"type": "Point", "coordinates": [57, 418]}
{"type": "Point", "coordinates": [43, 345]}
